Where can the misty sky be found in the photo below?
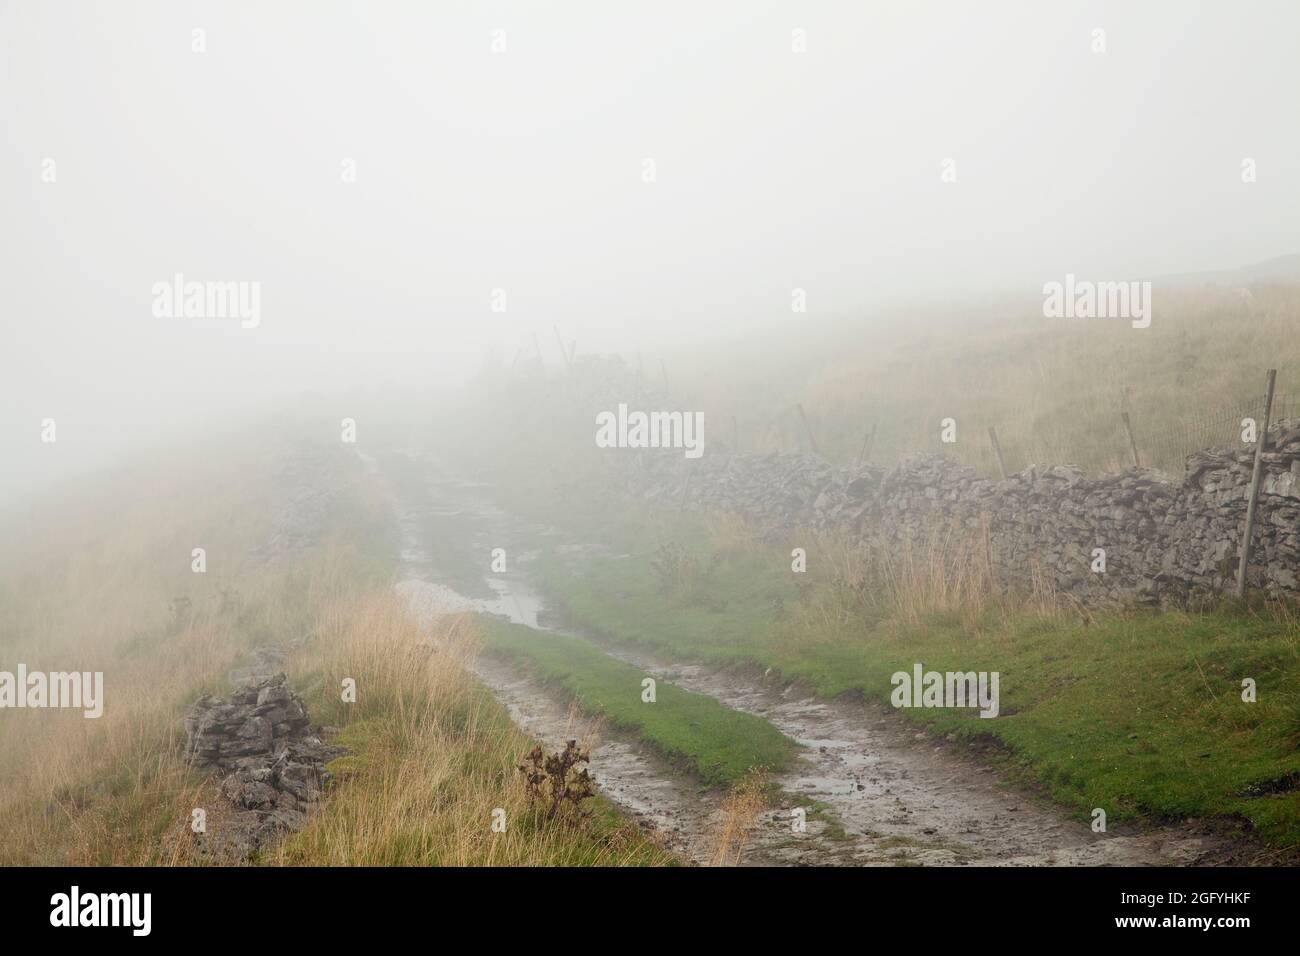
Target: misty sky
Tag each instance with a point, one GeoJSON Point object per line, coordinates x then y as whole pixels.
{"type": "Point", "coordinates": [523, 170]}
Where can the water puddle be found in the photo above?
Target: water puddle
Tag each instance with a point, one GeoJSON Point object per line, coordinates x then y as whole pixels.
{"type": "Point", "coordinates": [429, 598]}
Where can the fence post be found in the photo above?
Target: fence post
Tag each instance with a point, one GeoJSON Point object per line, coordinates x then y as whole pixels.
{"type": "Point", "coordinates": [564, 353]}
{"type": "Point", "coordinates": [1256, 474]}
{"type": "Point", "coordinates": [808, 428]}
{"type": "Point", "coordinates": [997, 450]}
{"type": "Point", "coordinates": [868, 440]}
{"type": "Point", "coordinates": [1132, 443]}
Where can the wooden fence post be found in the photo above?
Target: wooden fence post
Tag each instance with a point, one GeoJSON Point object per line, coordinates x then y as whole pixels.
{"type": "Point", "coordinates": [808, 428]}
{"type": "Point", "coordinates": [564, 353]}
{"type": "Point", "coordinates": [997, 450]}
{"type": "Point", "coordinates": [868, 440]}
{"type": "Point", "coordinates": [1261, 439]}
{"type": "Point", "coordinates": [1132, 444]}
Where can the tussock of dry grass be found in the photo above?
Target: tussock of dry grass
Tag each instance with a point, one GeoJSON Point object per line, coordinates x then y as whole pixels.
{"type": "Point", "coordinates": [730, 533]}
{"type": "Point", "coordinates": [907, 583]}
{"type": "Point", "coordinates": [943, 574]}
{"type": "Point", "coordinates": [740, 812]}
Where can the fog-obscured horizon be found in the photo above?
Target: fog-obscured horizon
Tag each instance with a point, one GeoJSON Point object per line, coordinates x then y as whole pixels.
{"type": "Point", "coordinates": [503, 147]}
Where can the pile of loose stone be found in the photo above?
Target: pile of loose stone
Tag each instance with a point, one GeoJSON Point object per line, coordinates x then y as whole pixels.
{"type": "Point", "coordinates": [272, 762]}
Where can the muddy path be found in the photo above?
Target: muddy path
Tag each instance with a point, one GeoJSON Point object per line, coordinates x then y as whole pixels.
{"type": "Point", "coordinates": [876, 790]}
{"type": "Point", "coordinates": [667, 804]}
{"type": "Point", "coordinates": [905, 797]}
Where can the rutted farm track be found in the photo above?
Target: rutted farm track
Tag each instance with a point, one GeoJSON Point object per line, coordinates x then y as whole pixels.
{"type": "Point", "coordinates": [884, 792]}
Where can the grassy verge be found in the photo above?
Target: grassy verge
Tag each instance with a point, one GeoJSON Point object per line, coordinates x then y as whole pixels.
{"type": "Point", "coordinates": [433, 755]}
{"type": "Point", "coordinates": [1139, 713]}
{"type": "Point", "coordinates": [720, 745]}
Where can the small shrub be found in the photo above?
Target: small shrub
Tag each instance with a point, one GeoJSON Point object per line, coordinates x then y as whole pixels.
{"type": "Point", "coordinates": [555, 785]}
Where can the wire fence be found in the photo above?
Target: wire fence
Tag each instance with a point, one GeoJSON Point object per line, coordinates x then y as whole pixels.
{"type": "Point", "coordinates": [1106, 444]}
{"type": "Point", "coordinates": [1224, 427]}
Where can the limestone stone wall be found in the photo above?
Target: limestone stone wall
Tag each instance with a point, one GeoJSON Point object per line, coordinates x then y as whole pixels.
{"type": "Point", "coordinates": [1166, 540]}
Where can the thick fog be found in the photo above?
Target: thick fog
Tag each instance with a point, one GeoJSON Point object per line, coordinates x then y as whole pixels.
{"type": "Point", "coordinates": [409, 184]}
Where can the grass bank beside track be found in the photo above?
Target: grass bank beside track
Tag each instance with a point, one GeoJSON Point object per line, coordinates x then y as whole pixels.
{"type": "Point", "coordinates": [717, 744]}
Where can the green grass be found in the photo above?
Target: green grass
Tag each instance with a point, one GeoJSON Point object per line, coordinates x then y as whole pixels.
{"type": "Point", "coordinates": [621, 593]}
{"type": "Point", "coordinates": [1140, 714]}
{"type": "Point", "coordinates": [716, 743]}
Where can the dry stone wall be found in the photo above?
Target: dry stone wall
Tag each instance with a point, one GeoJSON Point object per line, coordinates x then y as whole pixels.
{"type": "Point", "coordinates": [1166, 540]}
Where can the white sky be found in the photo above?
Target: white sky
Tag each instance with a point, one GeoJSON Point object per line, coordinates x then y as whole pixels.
{"type": "Point", "coordinates": [522, 170]}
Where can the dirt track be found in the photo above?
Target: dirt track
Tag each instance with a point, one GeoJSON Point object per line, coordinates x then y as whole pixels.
{"type": "Point", "coordinates": [885, 793]}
